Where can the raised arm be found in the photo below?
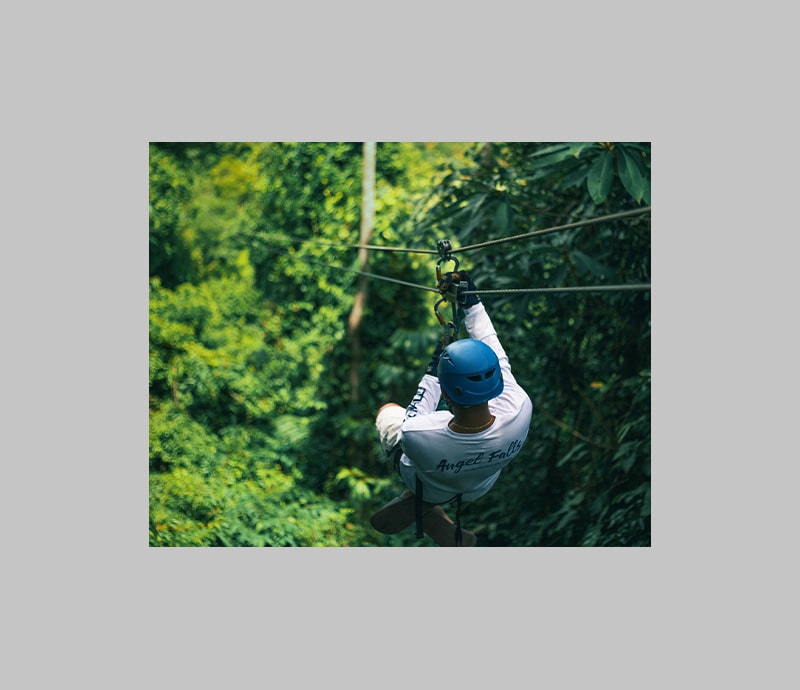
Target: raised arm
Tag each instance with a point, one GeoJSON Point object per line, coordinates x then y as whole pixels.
{"type": "Point", "coordinates": [429, 392]}
{"type": "Point", "coordinates": [480, 327]}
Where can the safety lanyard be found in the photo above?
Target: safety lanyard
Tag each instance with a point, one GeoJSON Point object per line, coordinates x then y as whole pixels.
{"type": "Point", "coordinates": [455, 294]}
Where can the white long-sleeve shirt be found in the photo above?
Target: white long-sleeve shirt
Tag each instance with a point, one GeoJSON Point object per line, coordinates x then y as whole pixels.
{"type": "Point", "coordinates": [449, 463]}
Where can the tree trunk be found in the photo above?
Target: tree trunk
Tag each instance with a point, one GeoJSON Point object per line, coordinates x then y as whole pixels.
{"type": "Point", "coordinates": [360, 303]}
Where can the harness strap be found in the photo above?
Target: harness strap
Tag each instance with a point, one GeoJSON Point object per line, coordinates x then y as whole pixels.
{"type": "Point", "coordinates": [394, 457]}
{"type": "Point", "coordinates": [458, 520]}
{"type": "Point", "coordinates": [418, 513]}
{"type": "Point", "coordinates": [418, 508]}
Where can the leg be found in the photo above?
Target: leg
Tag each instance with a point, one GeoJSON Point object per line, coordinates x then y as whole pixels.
{"type": "Point", "coordinates": [399, 514]}
{"type": "Point", "coordinates": [388, 422]}
{"type": "Point", "coordinates": [439, 527]}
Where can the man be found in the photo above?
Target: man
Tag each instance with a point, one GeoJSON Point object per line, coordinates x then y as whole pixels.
{"type": "Point", "coordinates": [454, 455]}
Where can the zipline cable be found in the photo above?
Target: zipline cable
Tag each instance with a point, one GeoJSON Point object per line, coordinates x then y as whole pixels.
{"type": "Point", "coordinates": [352, 270]}
{"type": "Point", "coordinates": [338, 245]}
{"type": "Point", "coordinates": [588, 288]}
{"type": "Point", "coordinates": [545, 231]}
{"type": "Point", "coordinates": [596, 288]}
{"type": "Point", "coordinates": [489, 243]}
{"type": "Point", "coordinates": [376, 247]}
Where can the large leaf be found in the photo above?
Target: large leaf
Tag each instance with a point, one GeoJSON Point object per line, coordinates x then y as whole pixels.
{"type": "Point", "coordinates": [646, 196]}
{"type": "Point", "coordinates": [557, 153]}
{"type": "Point", "coordinates": [586, 264]}
{"type": "Point", "coordinates": [630, 173]}
{"type": "Point", "coordinates": [577, 452]}
{"type": "Point", "coordinates": [600, 177]}
{"type": "Point", "coordinates": [574, 177]}
{"type": "Point", "coordinates": [503, 216]}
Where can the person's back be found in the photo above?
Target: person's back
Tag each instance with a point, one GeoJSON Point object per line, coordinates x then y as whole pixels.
{"type": "Point", "coordinates": [457, 454]}
{"type": "Point", "coordinates": [449, 460]}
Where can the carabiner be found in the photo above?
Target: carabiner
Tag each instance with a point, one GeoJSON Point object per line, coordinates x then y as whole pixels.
{"type": "Point", "coordinates": [449, 329]}
{"type": "Point", "coordinates": [445, 248]}
{"type": "Point", "coordinates": [439, 268]}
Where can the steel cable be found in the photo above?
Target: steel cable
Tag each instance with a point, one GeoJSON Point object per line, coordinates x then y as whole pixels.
{"type": "Point", "coordinates": [596, 288]}
{"type": "Point", "coordinates": [352, 270]}
{"type": "Point", "coordinates": [546, 231]}
{"type": "Point", "coordinates": [488, 243]}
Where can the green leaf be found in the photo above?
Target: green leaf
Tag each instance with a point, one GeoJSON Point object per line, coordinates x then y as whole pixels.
{"type": "Point", "coordinates": [623, 431]}
{"type": "Point", "coordinates": [646, 504]}
{"type": "Point", "coordinates": [556, 276]}
{"type": "Point", "coordinates": [502, 216]}
{"type": "Point", "coordinates": [600, 176]}
{"type": "Point", "coordinates": [574, 177]}
{"type": "Point", "coordinates": [549, 156]}
{"type": "Point", "coordinates": [586, 263]}
{"type": "Point", "coordinates": [576, 498]}
{"type": "Point", "coordinates": [627, 462]}
{"type": "Point", "coordinates": [630, 173]}
{"type": "Point", "coordinates": [577, 452]}
{"type": "Point", "coordinates": [576, 149]}
{"type": "Point", "coordinates": [626, 454]}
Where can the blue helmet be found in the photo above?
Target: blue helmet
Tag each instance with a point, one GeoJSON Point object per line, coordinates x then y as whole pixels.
{"type": "Point", "coordinates": [469, 372]}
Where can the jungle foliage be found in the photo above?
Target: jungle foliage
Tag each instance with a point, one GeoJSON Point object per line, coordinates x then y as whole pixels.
{"type": "Point", "coordinates": [254, 437]}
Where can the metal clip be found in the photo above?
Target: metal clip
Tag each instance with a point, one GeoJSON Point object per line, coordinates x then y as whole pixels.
{"type": "Point", "coordinates": [448, 327]}
{"type": "Point", "coordinates": [450, 331]}
{"type": "Point", "coordinates": [445, 249]}
{"type": "Point", "coordinates": [460, 291]}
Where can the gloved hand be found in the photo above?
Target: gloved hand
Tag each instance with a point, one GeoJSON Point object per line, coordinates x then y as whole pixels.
{"type": "Point", "coordinates": [433, 365]}
{"type": "Point", "coordinates": [457, 276]}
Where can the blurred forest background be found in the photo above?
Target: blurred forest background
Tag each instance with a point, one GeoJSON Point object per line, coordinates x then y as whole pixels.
{"type": "Point", "coordinates": [264, 381]}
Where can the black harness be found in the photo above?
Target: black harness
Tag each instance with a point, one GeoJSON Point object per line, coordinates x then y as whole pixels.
{"type": "Point", "coordinates": [394, 458]}
{"type": "Point", "coordinates": [418, 512]}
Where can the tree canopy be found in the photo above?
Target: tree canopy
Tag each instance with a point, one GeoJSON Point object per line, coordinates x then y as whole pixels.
{"type": "Point", "coordinates": [255, 436]}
